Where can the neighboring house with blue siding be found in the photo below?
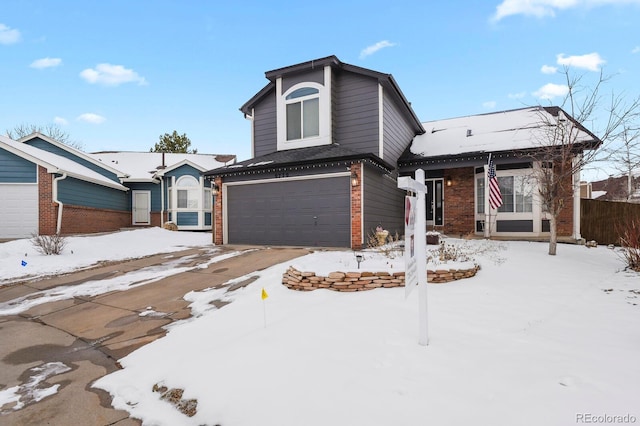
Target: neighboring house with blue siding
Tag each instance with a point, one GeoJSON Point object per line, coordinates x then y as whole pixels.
{"type": "Point", "coordinates": [47, 187]}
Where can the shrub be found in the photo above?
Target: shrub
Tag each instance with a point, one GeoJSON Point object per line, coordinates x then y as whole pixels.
{"type": "Point", "coordinates": [630, 244]}
{"type": "Point", "coordinates": [48, 244]}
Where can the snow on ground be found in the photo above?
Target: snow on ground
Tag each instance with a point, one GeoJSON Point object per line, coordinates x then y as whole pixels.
{"type": "Point", "coordinates": [531, 340]}
{"type": "Point", "coordinates": [20, 259]}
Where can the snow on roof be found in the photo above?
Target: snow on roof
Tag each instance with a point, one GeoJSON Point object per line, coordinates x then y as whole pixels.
{"type": "Point", "coordinates": [57, 164]}
{"type": "Point", "coordinates": [144, 166]}
{"type": "Point", "coordinates": [597, 194]}
{"type": "Point", "coordinates": [499, 131]}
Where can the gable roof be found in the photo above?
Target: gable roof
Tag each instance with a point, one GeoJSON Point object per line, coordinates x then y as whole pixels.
{"type": "Point", "coordinates": [323, 154]}
{"type": "Point", "coordinates": [57, 164]}
{"type": "Point", "coordinates": [72, 151]}
{"type": "Point", "coordinates": [504, 131]}
{"type": "Point", "coordinates": [386, 80]}
{"type": "Point", "coordinates": [149, 166]}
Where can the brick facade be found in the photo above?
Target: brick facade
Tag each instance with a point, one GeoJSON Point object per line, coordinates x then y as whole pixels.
{"type": "Point", "coordinates": [459, 203]}
{"type": "Point", "coordinates": [217, 214]}
{"type": "Point", "coordinates": [356, 207]}
{"type": "Point", "coordinates": [47, 209]}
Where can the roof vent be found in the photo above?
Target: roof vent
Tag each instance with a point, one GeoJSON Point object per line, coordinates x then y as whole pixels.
{"type": "Point", "coordinates": [469, 132]}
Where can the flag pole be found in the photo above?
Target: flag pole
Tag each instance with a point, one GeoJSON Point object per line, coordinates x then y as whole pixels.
{"type": "Point", "coordinates": [487, 206]}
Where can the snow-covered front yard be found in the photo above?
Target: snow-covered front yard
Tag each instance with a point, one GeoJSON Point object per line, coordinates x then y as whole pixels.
{"type": "Point", "coordinates": [531, 340]}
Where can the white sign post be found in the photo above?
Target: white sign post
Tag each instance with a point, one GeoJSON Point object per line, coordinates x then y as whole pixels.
{"type": "Point", "coordinates": [416, 247]}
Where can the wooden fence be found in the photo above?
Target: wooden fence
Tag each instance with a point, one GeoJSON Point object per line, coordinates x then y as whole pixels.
{"type": "Point", "coordinates": [601, 220]}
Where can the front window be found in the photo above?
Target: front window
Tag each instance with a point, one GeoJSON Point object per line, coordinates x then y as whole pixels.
{"type": "Point", "coordinates": [517, 194]}
{"type": "Point", "coordinates": [188, 192]}
{"type": "Point", "coordinates": [303, 113]}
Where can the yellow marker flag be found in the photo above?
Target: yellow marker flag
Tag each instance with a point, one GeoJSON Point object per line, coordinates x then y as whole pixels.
{"type": "Point", "coordinates": [264, 294]}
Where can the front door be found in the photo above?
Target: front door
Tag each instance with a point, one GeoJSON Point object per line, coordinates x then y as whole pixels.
{"type": "Point", "coordinates": [141, 205]}
{"type": "Point", "coordinates": [434, 202]}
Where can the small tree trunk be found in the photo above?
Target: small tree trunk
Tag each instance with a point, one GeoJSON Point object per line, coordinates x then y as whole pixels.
{"type": "Point", "coordinates": [553, 237]}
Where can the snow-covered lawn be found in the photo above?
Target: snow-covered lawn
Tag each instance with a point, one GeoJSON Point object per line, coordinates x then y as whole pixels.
{"type": "Point", "coordinates": [531, 340]}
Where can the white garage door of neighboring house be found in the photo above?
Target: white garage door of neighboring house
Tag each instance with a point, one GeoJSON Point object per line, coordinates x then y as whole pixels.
{"type": "Point", "coordinates": [18, 210]}
{"type": "Point", "coordinates": [305, 212]}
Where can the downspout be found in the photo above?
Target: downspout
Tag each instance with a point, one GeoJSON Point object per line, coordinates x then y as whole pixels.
{"type": "Point", "coordinates": [55, 200]}
{"type": "Point", "coordinates": [161, 201]}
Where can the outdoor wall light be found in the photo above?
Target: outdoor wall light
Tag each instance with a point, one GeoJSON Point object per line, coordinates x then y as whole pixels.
{"type": "Point", "coordinates": [215, 190]}
{"type": "Point", "coordinates": [354, 179]}
{"type": "Point", "coordinates": [449, 181]}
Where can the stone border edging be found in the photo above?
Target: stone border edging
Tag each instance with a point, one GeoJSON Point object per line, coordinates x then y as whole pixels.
{"type": "Point", "coordinates": [360, 281]}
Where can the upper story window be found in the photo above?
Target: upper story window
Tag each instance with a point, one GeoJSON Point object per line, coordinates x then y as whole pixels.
{"type": "Point", "coordinates": [303, 113]}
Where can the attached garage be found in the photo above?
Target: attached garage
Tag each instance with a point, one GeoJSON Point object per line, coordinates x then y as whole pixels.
{"type": "Point", "coordinates": [18, 210]}
{"type": "Point", "coordinates": [310, 211]}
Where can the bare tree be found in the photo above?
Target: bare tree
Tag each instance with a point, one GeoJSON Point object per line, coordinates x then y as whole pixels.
{"type": "Point", "coordinates": [51, 130]}
{"type": "Point", "coordinates": [624, 154]}
{"type": "Point", "coordinates": [565, 146]}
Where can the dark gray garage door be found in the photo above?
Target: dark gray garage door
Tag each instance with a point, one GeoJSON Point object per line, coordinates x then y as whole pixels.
{"type": "Point", "coordinates": [310, 212]}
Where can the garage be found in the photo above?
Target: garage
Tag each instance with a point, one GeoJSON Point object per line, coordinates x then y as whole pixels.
{"type": "Point", "coordinates": [301, 211]}
{"type": "Point", "coordinates": [18, 210]}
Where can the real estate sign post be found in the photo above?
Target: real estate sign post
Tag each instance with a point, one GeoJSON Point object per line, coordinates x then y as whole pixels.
{"type": "Point", "coordinates": [415, 248]}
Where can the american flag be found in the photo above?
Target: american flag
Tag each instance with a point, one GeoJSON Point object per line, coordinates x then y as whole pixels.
{"type": "Point", "coordinates": [495, 196]}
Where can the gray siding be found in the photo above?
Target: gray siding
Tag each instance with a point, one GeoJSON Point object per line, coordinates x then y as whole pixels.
{"type": "Point", "coordinates": [265, 126]}
{"type": "Point", "coordinates": [14, 169]}
{"type": "Point", "coordinates": [46, 146]}
{"type": "Point", "coordinates": [187, 218]}
{"type": "Point", "coordinates": [80, 193]}
{"type": "Point", "coordinates": [383, 203]}
{"type": "Point", "coordinates": [355, 113]}
{"type": "Point", "coordinates": [182, 171]}
{"type": "Point", "coordinates": [315, 76]}
{"type": "Point", "coordinates": [398, 132]}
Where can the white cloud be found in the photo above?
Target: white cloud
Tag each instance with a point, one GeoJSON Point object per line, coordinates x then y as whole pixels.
{"type": "Point", "coordinates": [46, 63]}
{"type": "Point", "coordinates": [61, 121]}
{"type": "Point", "coordinates": [518, 95]}
{"type": "Point", "coordinates": [590, 61]}
{"type": "Point", "coordinates": [550, 91]}
{"type": "Point", "coordinates": [111, 75]}
{"type": "Point", "coordinates": [635, 49]}
{"type": "Point", "coordinates": [370, 50]}
{"type": "Point", "coordinates": [548, 69]}
{"type": "Point", "coordinates": [543, 8]}
{"type": "Point", "coordinates": [92, 118]}
{"type": "Point", "coordinates": [8, 35]}
{"type": "Point", "coordinates": [489, 104]}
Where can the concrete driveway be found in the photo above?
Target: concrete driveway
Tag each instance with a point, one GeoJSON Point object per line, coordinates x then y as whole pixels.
{"type": "Point", "coordinates": [71, 343]}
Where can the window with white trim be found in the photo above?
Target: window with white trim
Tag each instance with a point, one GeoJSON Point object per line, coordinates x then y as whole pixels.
{"type": "Point", "coordinates": [303, 113]}
{"type": "Point", "coordinates": [188, 192]}
{"type": "Point", "coordinates": [517, 194]}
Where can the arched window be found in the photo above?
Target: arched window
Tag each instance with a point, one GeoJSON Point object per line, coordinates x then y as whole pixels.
{"type": "Point", "coordinates": [303, 113]}
{"type": "Point", "coordinates": [188, 192]}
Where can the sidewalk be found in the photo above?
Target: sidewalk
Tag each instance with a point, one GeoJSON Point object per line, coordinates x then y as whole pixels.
{"type": "Point", "coordinates": [91, 334]}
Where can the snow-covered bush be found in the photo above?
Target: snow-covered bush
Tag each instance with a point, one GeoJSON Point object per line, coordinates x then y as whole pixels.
{"type": "Point", "coordinates": [48, 244]}
{"type": "Point", "coordinates": [630, 245]}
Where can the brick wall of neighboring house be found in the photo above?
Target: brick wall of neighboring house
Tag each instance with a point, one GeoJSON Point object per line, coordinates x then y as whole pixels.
{"type": "Point", "coordinates": [459, 203]}
{"type": "Point", "coordinates": [217, 214]}
{"type": "Point", "coordinates": [356, 208]}
{"type": "Point", "coordinates": [48, 210]}
{"type": "Point", "coordinates": [87, 220]}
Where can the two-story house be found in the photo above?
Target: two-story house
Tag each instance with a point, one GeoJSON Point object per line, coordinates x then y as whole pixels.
{"type": "Point", "coordinates": [326, 137]}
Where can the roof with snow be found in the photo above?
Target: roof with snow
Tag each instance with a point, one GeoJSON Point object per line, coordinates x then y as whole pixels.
{"type": "Point", "coordinates": [504, 131]}
{"type": "Point", "coordinates": [148, 166]}
{"type": "Point", "coordinates": [57, 164]}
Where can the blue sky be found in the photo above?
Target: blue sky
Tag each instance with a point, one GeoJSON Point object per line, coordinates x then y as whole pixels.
{"type": "Point", "coordinates": [118, 74]}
